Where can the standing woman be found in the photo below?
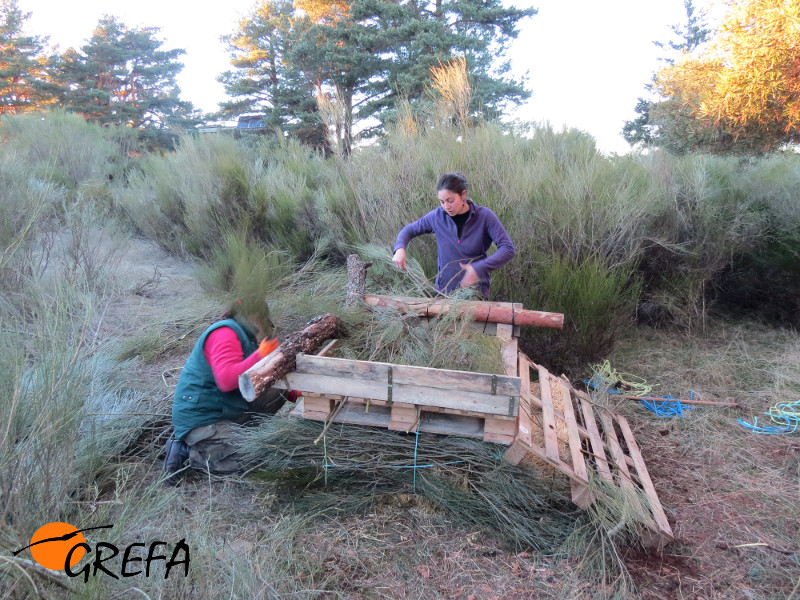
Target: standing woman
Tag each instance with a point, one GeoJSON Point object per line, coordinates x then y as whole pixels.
{"type": "Point", "coordinates": [464, 232]}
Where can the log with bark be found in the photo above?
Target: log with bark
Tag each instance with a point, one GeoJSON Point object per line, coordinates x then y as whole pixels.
{"type": "Point", "coordinates": [261, 376]}
{"type": "Point", "coordinates": [356, 280]}
{"type": "Point", "coordinates": [486, 312]}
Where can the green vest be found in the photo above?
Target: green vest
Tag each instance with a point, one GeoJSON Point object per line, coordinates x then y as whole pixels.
{"type": "Point", "coordinates": [198, 401]}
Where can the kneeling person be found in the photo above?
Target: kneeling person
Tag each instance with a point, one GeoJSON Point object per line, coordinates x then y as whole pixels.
{"type": "Point", "coordinates": [208, 408]}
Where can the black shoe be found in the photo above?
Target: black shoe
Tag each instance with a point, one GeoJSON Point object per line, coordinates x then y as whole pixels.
{"type": "Point", "coordinates": [177, 456]}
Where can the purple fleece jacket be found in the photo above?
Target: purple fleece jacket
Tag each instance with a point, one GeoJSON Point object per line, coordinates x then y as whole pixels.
{"type": "Point", "coordinates": [481, 229]}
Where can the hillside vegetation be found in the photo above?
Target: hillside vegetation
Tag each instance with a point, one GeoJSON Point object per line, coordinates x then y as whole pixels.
{"type": "Point", "coordinates": [682, 270]}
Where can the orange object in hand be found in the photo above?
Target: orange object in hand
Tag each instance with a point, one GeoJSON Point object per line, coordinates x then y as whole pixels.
{"type": "Point", "coordinates": [267, 346]}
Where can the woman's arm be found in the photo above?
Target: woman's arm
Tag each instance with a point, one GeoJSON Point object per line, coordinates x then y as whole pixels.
{"type": "Point", "coordinates": [505, 247]}
{"type": "Point", "coordinates": [407, 233]}
{"type": "Point", "coordinates": [223, 351]}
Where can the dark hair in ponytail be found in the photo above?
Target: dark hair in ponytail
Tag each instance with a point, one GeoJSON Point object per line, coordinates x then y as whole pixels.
{"type": "Point", "coordinates": [455, 182]}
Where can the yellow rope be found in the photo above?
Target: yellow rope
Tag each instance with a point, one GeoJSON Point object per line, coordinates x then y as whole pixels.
{"type": "Point", "coordinates": [607, 379]}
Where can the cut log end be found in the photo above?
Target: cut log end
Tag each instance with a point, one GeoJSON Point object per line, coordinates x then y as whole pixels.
{"type": "Point", "coordinates": [246, 388]}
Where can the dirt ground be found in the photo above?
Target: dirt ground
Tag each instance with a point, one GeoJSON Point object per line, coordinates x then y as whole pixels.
{"type": "Point", "coordinates": [731, 541]}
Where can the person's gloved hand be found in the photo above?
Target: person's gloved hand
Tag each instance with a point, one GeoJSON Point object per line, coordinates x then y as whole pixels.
{"type": "Point", "coordinates": [292, 396]}
{"type": "Point", "coordinates": [267, 346]}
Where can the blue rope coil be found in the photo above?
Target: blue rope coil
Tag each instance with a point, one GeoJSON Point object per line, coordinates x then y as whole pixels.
{"type": "Point", "coordinates": [667, 406]}
{"type": "Point", "coordinates": [786, 415]}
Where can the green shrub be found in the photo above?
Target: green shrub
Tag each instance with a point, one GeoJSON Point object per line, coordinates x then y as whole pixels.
{"type": "Point", "coordinates": [68, 152]}
{"type": "Point", "coordinates": [190, 200]}
{"type": "Point", "coordinates": [597, 302]}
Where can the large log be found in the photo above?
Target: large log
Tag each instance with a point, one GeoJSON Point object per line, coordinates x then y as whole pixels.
{"type": "Point", "coordinates": [487, 312]}
{"type": "Point", "coordinates": [259, 378]}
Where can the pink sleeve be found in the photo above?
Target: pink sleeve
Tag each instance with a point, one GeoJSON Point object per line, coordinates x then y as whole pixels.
{"type": "Point", "coordinates": [224, 353]}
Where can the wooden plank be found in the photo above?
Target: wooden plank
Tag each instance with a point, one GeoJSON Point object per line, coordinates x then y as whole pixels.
{"type": "Point", "coordinates": [465, 413]}
{"type": "Point", "coordinates": [517, 306]}
{"type": "Point", "coordinates": [548, 417]}
{"type": "Point", "coordinates": [581, 493]}
{"type": "Point", "coordinates": [516, 452]}
{"type": "Point", "coordinates": [410, 394]}
{"type": "Point", "coordinates": [595, 440]}
{"type": "Point", "coordinates": [644, 476]}
{"type": "Point", "coordinates": [509, 351]}
{"type": "Point", "coordinates": [404, 417]}
{"type": "Point", "coordinates": [626, 483]}
{"type": "Point", "coordinates": [505, 331]}
{"type": "Point", "coordinates": [408, 375]}
{"type": "Point", "coordinates": [524, 431]}
{"type": "Point", "coordinates": [378, 416]}
{"type": "Point", "coordinates": [471, 427]}
{"type": "Point", "coordinates": [319, 404]}
{"type": "Point", "coordinates": [575, 449]}
{"type": "Point", "coordinates": [501, 431]}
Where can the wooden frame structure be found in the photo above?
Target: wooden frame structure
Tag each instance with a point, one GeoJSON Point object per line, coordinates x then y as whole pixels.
{"type": "Point", "coordinates": [562, 428]}
{"type": "Point", "coordinates": [543, 419]}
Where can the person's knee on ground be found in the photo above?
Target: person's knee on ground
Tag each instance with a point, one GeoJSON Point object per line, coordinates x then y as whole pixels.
{"type": "Point", "coordinates": [215, 448]}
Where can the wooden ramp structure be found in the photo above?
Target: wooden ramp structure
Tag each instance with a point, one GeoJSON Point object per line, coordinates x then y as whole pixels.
{"type": "Point", "coordinates": [542, 418]}
{"type": "Point", "coordinates": [562, 428]}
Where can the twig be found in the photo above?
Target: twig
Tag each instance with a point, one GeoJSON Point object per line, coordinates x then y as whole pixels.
{"type": "Point", "coordinates": [682, 401]}
{"type": "Point", "coordinates": [131, 589]}
{"type": "Point", "coordinates": [329, 420]}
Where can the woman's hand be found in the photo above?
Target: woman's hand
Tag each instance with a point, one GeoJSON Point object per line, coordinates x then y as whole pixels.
{"type": "Point", "coordinates": [399, 259]}
{"type": "Point", "coordinates": [470, 276]}
{"type": "Point", "coordinates": [267, 346]}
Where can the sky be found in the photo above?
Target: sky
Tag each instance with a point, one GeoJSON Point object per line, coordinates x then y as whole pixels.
{"type": "Point", "coordinates": [586, 61]}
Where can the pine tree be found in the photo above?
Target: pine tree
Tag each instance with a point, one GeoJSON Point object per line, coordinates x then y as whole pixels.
{"type": "Point", "coordinates": [123, 77]}
{"type": "Point", "coordinates": [359, 59]}
{"type": "Point", "coordinates": [24, 68]}
{"type": "Point", "coordinates": [689, 36]}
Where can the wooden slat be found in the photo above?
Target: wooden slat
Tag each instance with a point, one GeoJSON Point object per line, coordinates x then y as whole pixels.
{"type": "Point", "coordinates": [319, 404]}
{"type": "Point", "coordinates": [471, 427]}
{"type": "Point", "coordinates": [517, 307]}
{"type": "Point", "coordinates": [625, 481]}
{"type": "Point", "coordinates": [548, 417]}
{"type": "Point", "coordinates": [596, 441]}
{"type": "Point", "coordinates": [644, 476]}
{"type": "Point", "coordinates": [516, 452]}
{"type": "Point", "coordinates": [524, 432]}
{"type": "Point", "coordinates": [404, 417]}
{"type": "Point", "coordinates": [445, 379]}
{"type": "Point", "coordinates": [410, 394]}
{"type": "Point", "coordinates": [576, 452]}
{"type": "Point", "coordinates": [509, 350]}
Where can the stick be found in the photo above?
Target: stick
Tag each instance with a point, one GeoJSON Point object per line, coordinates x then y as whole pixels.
{"type": "Point", "coordinates": [705, 402]}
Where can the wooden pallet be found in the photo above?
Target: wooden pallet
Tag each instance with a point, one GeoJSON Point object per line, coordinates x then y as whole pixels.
{"type": "Point", "coordinates": [542, 418]}
{"type": "Point", "coordinates": [406, 398]}
{"type": "Point", "coordinates": [562, 428]}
